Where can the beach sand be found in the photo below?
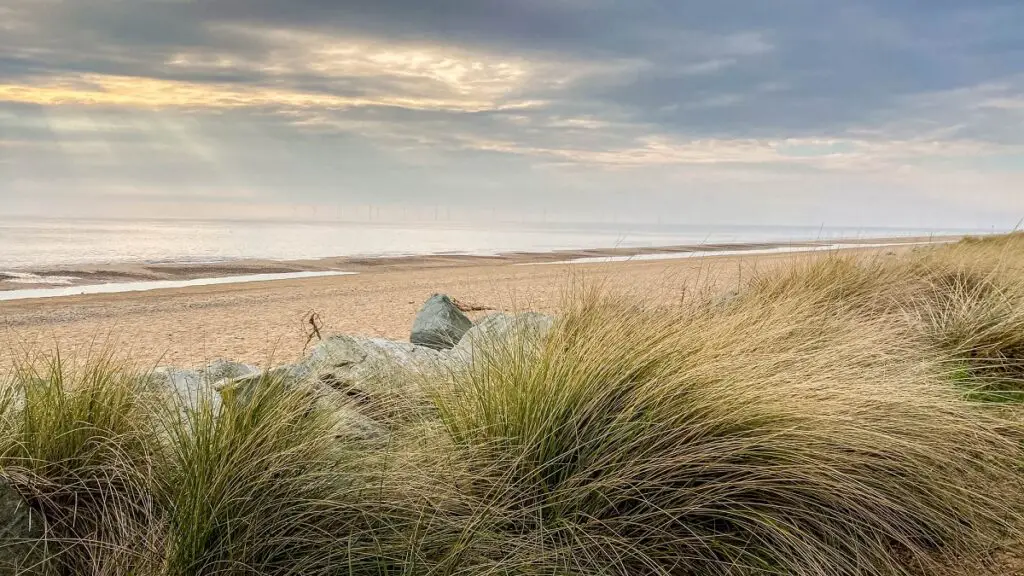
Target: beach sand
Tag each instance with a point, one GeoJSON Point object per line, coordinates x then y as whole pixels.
{"type": "Point", "coordinates": [268, 322]}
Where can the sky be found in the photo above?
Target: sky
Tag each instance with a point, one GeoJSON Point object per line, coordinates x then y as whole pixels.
{"type": "Point", "coordinates": [789, 112]}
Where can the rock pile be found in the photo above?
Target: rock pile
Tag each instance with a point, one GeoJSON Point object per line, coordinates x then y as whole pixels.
{"type": "Point", "coordinates": [361, 377]}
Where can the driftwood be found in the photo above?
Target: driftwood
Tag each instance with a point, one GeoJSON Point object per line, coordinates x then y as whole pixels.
{"type": "Point", "coordinates": [315, 325]}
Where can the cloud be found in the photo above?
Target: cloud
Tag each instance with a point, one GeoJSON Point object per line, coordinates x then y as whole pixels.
{"type": "Point", "coordinates": [542, 101]}
{"type": "Point", "coordinates": [117, 91]}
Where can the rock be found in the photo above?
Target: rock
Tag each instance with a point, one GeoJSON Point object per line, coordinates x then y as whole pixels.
{"type": "Point", "coordinates": [221, 370]}
{"type": "Point", "coordinates": [496, 329]}
{"type": "Point", "coordinates": [440, 324]}
{"type": "Point", "coordinates": [502, 325]}
{"type": "Point", "coordinates": [342, 361]}
{"type": "Point", "coordinates": [360, 356]}
{"type": "Point", "coordinates": [343, 374]}
{"type": "Point", "coordinates": [21, 534]}
{"type": "Point", "coordinates": [189, 386]}
{"type": "Point", "coordinates": [339, 362]}
{"type": "Point", "coordinates": [365, 381]}
{"type": "Point", "coordinates": [11, 398]}
{"type": "Point", "coordinates": [373, 373]}
{"type": "Point", "coordinates": [352, 424]}
{"type": "Point", "coordinates": [289, 372]}
{"type": "Point", "coordinates": [185, 386]}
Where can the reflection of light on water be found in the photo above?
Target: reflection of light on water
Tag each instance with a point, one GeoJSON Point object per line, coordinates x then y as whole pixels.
{"type": "Point", "coordinates": [118, 287]}
{"type": "Point", "coordinates": [726, 252]}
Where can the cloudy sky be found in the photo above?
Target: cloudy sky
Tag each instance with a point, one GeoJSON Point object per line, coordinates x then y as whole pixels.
{"type": "Point", "coordinates": [821, 112]}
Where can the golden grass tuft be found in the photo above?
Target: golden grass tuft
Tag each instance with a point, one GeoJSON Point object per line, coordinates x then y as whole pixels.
{"type": "Point", "coordinates": [77, 441]}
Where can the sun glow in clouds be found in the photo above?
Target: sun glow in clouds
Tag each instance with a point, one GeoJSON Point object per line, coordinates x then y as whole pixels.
{"type": "Point", "coordinates": [411, 77]}
{"type": "Point", "coordinates": [99, 90]}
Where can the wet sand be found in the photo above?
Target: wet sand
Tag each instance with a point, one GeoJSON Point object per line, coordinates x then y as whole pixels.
{"type": "Point", "coordinates": [268, 322]}
{"type": "Point", "coordinates": [47, 277]}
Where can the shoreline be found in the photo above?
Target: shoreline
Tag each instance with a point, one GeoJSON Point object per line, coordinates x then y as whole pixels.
{"type": "Point", "coordinates": [57, 282]}
{"type": "Point", "coordinates": [267, 323]}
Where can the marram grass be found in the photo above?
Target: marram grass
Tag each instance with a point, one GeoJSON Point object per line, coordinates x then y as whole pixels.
{"type": "Point", "coordinates": [766, 439]}
{"type": "Point", "coordinates": [78, 441]}
{"type": "Point", "coordinates": [964, 301]}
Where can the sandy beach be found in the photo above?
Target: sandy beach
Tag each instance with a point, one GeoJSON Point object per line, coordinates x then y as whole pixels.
{"type": "Point", "coordinates": [268, 322]}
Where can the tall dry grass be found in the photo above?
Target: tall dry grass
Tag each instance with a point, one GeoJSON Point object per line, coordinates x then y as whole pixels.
{"type": "Point", "coordinates": [973, 307]}
{"type": "Point", "coordinates": [134, 481]}
{"type": "Point", "coordinates": [77, 441]}
{"type": "Point", "coordinates": [779, 438]}
{"type": "Point", "coordinates": [965, 301]}
{"type": "Point", "coordinates": [260, 485]}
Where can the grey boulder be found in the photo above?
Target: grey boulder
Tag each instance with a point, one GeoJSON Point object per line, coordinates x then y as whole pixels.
{"type": "Point", "coordinates": [439, 324]}
{"type": "Point", "coordinates": [360, 357]}
{"type": "Point", "coordinates": [343, 361]}
{"type": "Point", "coordinates": [503, 325]}
{"type": "Point", "coordinates": [498, 330]}
{"type": "Point", "coordinates": [221, 370]}
{"type": "Point", "coordinates": [184, 385]}
{"type": "Point", "coordinates": [374, 374]}
{"type": "Point", "coordinates": [21, 534]}
{"type": "Point", "coordinates": [11, 398]}
{"type": "Point", "coordinates": [363, 380]}
{"type": "Point", "coordinates": [190, 386]}
{"type": "Point", "coordinates": [351, 422]}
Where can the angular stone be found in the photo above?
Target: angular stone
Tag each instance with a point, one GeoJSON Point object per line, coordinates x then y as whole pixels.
{"type": "Point", "coordinates": [360, 379]}
{"type": "Point", "coordinates": [440, 324]}
{"type": "Point", "coordinates": [371, 372]}
{"type": "Point", "coordinates": [342, 350]}
{"type": "Point", "coordinates": [372, 364]}
{"type": "Point", "coordinates": [11, 398]}
{"type": "Point", "coordinates": [498, 329]}
{"type": "Point", "coordinates": [352, 424]}
{"type": "Point", "coordinates": [185, 386]}
{"type": "Point", "coordinates": [189, 386]}
{"type": "Point", "coordinates": [226, 370]}
{"type": "Point", "coordinates": [502, 325]}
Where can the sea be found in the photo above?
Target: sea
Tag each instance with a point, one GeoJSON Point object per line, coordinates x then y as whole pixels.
{"type": "Point", "coordinates": [66, 243]}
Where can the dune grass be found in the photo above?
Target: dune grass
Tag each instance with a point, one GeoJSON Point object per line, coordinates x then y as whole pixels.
{"type": "Point", "coordinates": [964, 301]}
{"type": "Point", "coordinates": [849, 415]}
{"type": "Point", "coordinates": [974, 310]}
{"type": "Point", "coordinates": [254, 487]}
{"type": "Point", "coordinates": [759, 440]}
{"type": "Point", "coordinates": [77, 441]}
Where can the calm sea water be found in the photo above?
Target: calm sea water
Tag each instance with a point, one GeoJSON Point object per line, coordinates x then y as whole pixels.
{"type": "Point", "coordinates": [67, 243]}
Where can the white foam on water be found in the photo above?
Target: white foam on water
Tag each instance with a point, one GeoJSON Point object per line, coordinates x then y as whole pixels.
{"type": "Point", "coordinates": [712, 253]}
{"type": "Point", "coordinates": [145, 286]}
{"type": "Point", "coordinates": [30, 278]}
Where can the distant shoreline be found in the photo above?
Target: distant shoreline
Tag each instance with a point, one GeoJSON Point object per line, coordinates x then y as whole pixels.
{"type": "Point", "coordinates": [57, 281]}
